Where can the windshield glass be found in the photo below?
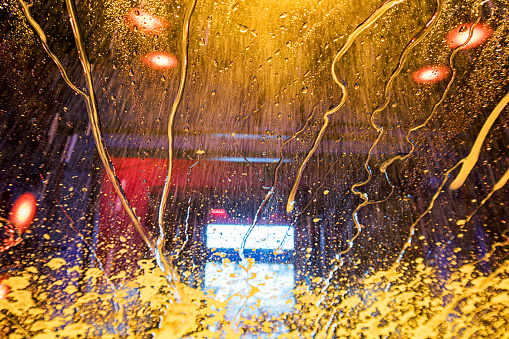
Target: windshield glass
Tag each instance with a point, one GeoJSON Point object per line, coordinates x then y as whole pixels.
{"type": "Point", "coordinates": [254, 169]}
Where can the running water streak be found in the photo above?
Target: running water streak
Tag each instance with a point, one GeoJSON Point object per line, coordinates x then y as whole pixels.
{"type": "Point", "coordinates": [26, 11]}
{"type": "Point", "coordinates": [470, 161]}
{"type": "Point", "coordinates": [101, 147]}
{"type": "Point", "coordinates": [91, 106]}
{"type": "Point", "coordinates": [368, 22]}
{"type": "Point", "coordinates": [171, 120]}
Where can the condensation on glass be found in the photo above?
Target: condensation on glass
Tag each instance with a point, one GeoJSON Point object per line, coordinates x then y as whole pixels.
{"type": "Point", "coordinates": [254, 169]}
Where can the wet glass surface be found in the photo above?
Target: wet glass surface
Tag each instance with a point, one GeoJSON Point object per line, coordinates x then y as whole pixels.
{"type": "Point", "coordinates": [254, 169]}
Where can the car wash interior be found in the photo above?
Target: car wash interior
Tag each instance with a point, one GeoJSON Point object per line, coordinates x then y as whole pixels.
{"type": "Point", "coordinates": [254, 169]}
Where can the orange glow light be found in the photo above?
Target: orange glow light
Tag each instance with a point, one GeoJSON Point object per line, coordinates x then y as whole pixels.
{"type": "Point", "coordinates": [160, 60]}
{"type": "Point", "coordinates": [23, 212]}
{"type": "Point", "coordinates": [459, 35]}
{"type": "Point", "coordinates": [146, 22]}
{"type": "Point", "coordinates": [430, 74]}
{"type": "Point", "coordinates": [4, 290]}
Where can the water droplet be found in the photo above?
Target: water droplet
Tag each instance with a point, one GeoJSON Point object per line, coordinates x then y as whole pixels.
{"type": "Point", "coordinates": [243, 29]}
{"type": "Point", "coordinates": [163, 78]}
{"type": "Point", "coordinates": [463, 29]}
{"type": "Point", "coordinates": [283, 15]}
{"type": "Point", "coordinates": [356, 86]}
{"type": "Point", "coordinates": [304, 90]}
{"type": "Point", "coordinates": [213, 92]}
{"type": "Point", "coordinates": [131, 72]}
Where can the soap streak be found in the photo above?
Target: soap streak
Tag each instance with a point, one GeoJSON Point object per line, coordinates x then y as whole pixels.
{"type": "Point", "coordinates": [307, 205]}
{"type": "Point", "coordinates": [176, 103]}
{"type": "Point", "coordinates": [26, 11]}
{"type": "Point", "coordinates": [498, 185]}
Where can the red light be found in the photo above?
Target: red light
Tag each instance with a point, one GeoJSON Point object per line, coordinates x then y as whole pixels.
{"type": "Point", "coordinates": [160, 60]}
{"type": "Point", "coordinates": [219, 213]}
{"type": "Point", "coordinates": [146, 22]}
{"type": "Point", "coordinates": [459, 35]}
{"type": "Point", "coordinates": [430, 74]}
{"type": "Point", "coordinates": [23, 212]}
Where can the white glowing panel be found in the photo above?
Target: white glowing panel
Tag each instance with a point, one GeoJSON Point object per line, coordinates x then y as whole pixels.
{"type": "Point", "coordinates": [267, 287]}
{"type": "Point", "coordinates": [261, 237]}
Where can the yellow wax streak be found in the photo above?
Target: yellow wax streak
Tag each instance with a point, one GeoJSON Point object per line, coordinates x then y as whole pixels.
{"type": "Point", "coordinates": [470, 161]}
